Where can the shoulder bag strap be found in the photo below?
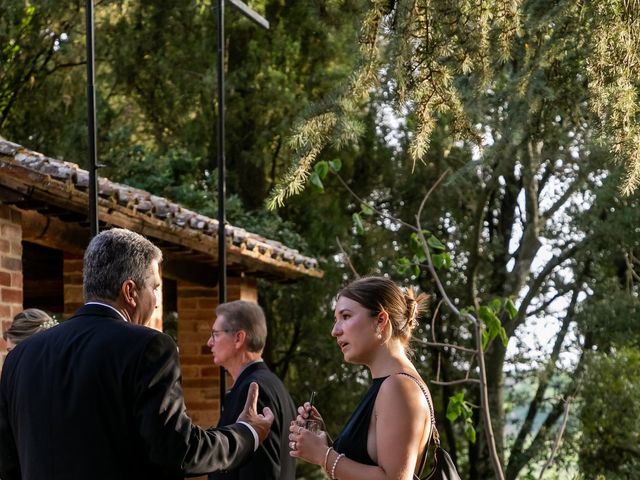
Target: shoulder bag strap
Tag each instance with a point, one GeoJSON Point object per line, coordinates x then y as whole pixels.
{"type": "Point", "coordinates": [434, 431]}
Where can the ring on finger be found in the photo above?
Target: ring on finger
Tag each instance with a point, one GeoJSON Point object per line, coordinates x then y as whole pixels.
{"type": "Point", "coordinates": [292, 445]}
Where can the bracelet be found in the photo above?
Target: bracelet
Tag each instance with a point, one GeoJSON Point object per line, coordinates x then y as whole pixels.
{"type": "Point", "coordinates": [335, 464]}
{"type": "Point", "coordinates": [326, 457]}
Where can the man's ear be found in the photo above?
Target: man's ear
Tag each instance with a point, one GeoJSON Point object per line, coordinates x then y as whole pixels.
{"type": "Point", "coordinates": [240, 337]}
{"type": "Point", "coordinates": [129, 292]}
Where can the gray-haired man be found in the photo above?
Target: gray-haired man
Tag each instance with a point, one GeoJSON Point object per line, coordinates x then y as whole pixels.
{"type": "Point", "coordinates": [100, 397]}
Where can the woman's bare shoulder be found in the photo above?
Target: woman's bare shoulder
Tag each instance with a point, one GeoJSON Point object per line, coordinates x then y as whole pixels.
{"type": "Point", "coordinates": [403, 391]}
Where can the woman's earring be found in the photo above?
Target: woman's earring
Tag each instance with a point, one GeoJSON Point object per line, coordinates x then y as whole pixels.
{"type": "Point", "coordinates": [378, 334]}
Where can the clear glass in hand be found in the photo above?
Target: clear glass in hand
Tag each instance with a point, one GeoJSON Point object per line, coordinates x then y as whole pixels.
{"type": "Point", "coordinates": [313, 425]}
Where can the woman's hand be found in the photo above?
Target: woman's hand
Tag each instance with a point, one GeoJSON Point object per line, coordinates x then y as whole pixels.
{"type": "Point", "coordinates": [307, 445]}
{"type": "Point", "coordinates": [307, 412]}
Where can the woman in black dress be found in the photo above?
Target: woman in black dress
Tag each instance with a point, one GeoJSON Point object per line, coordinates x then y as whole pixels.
{"type": "Point", "coordinates": [387, 434]}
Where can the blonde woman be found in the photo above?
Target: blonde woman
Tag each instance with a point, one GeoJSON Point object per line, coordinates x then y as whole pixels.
{"type": "Point", "coordinates": [386, 436]}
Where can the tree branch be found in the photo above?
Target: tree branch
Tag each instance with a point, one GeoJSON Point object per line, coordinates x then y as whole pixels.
{"type": "Point", "coordinates": [536, 284]}
{"type": "Point", "coordinates": [457, 382]}
{"type": "Point", "coordinates": [347, 258]}
{"type": "Point", "coordinates": [484, 402]}
{"type": "Point", "coordinates": [516, 460]}
{"type": "Point", "coordinates": [556, 444]}
{"type": "Point", "coordinates": [445, 345]}
{"type": "Point", "coordinates": [382, 214]}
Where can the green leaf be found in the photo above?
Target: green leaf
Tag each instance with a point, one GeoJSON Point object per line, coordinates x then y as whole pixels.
{"type": "Point", "coordinates": [470, 432]}
{"type": "Point", "coordinates": [321, 168]}
{"type": "Point", "coordinates": [442, 261]}
{"type": "Point", "coordinates": [415, 270]}
{"type": "Point", "coordinates": [403, 264]}
{"type": "Point", "coordinates": [495, 304]}
{"type": "Point", "coordinates": [357, 221]}
{"type": "Point", "coordinates": [434, 243]}
{"type": "Point", "coordinates": [456, 406]}
{"type": "Point", "coordinates": [335, 165]}
{"type": "Point", "coordinates": [493, 326]}
{"type": "Point", "coordinates": [454, 410]}
{"type": "Point", "coordinates": [511, 309]}
{"type": "Point", "coordinates": [488, 316]}
{"type": "Point", "coordinates": [366, 209]}
{"type": "Point", "coordinates": [416, 247]}
{"type": "Point", "coordinates": [314, 178]}
{"type": "Point", "coordinates": [503, 336]}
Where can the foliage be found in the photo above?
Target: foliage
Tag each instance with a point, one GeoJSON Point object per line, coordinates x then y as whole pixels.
{"type": "Point", "coordinates": [609, 416]}
{"type": "Point", "coordinates": [499, 94]}
{"type": "Point", "coordinates": [427, 55]}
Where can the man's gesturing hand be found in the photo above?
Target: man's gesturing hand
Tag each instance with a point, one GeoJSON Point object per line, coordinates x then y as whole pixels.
{"type": "Point", "coordinates": [260, 421]}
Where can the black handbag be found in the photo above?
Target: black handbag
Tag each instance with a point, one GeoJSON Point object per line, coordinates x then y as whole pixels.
{"type": "Point", "coordinates": [443, 468]}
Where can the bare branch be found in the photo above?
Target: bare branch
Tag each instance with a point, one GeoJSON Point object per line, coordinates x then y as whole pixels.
{"type": "Point", "coordinates": [556, 444]}
{"type": "Point", "coordinates": [64, 65]}
{"type": "Point", "coordinates": [482, 370]}
{"type": "Point", "coordinates": [433, 321]}
{"type": "Point", "coordinates": [347, 258]}
{"type": "Point", "coordinates": [433, 187]}
{"type": "Point", "coordinates": [536, 284]}
{"type": "Point", "coordinates": [457, 382]}
{"type": "Point", "coordinates": [445, 345]}
{"type": "Point", "coordinates": [544, 305]}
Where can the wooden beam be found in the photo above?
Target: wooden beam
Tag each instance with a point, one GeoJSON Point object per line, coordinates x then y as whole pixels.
{"type": "Point", "coordinates": [202, 274]}
{"type": "Point", "coordinates": [51, 232]}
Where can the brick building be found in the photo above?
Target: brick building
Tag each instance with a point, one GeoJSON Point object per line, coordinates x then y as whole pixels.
{"type": "Point", "coordinates": [44, 230]}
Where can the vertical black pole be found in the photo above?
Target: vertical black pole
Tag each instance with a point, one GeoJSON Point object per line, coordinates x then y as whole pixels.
{"type": "Point", "coordinates": [222, 247]}
{"type": "Point", "coordinates": [91, 123]}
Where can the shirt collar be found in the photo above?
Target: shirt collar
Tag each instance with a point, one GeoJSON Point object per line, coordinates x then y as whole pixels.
{"type": "Point", "coordinates": [111, 307]}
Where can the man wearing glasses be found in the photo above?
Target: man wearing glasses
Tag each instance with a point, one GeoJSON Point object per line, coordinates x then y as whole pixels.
{"type": "Point", "coordinates": [237, 340]}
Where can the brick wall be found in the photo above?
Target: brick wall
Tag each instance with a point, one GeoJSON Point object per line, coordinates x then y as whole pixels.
{"type": "Point", "coordinates": [72, 277]}
{"type": "Point", "coordinates": [10, 270]}
{"type": "Point", "coordinates": [200, 379]}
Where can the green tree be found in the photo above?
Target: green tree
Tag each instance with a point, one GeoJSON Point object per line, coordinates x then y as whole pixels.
{"type": "Point", "coordinates": [610, 432]}
{"type": "Point", "coordinates": [506, 96]}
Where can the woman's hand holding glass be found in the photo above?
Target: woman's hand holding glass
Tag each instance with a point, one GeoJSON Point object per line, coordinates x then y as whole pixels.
{"type": "Point", "coordinates": [307, 438]}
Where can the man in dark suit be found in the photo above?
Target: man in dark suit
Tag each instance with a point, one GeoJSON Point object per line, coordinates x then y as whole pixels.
{"type": "Point", "coordinates": [237, 340]}
{"type": "Point", "coordinates": [99, 396]}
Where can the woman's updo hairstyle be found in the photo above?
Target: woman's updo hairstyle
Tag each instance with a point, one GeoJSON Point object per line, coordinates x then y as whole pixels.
{"type": "Point", "coordinates": [377, 294]}
{"type": "Point", "coordinates": [28, 322]}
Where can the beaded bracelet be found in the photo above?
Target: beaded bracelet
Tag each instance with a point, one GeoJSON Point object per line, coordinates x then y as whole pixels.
{"type": "Point", "coordinates": [335, 464]}
{"type": "Point", "coordinates": [326, 457]}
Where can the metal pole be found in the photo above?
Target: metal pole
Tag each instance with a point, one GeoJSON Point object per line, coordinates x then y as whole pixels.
{"type": "Point", "coordinates": [91, 123]}
{"type": "Point", "coordinates": [222, 250]}
{"type": "Point", "coordinates": [222, 246]}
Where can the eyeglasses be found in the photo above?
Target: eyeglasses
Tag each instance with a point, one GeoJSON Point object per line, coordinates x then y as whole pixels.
{"type": "Point", "coordinates": [215, 334]}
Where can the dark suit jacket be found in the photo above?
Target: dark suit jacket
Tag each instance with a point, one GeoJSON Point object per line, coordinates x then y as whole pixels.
{"type": "Point", "coordinates": [271, 461]}
{"type": "Point", "coordinates": [100, 398]}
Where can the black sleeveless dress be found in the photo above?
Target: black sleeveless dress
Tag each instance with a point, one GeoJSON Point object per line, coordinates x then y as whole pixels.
{"type": "Point", "coordinates": [352, 441]}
